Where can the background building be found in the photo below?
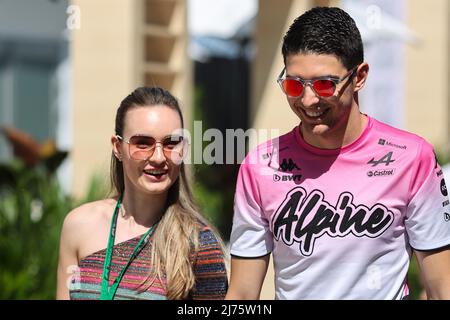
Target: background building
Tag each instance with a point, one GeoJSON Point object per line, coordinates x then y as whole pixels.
{"type": "Point", "coordinates": [118, 47]}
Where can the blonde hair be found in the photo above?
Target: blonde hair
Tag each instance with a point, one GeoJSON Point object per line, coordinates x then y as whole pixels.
{"type": "Point", "coordinates": [175, 239]}
{"type": "Point", "coordinates": [176, 236]}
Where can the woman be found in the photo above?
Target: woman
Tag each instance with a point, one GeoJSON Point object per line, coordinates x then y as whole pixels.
{"type": "Point", "coordinates": [157, 244]}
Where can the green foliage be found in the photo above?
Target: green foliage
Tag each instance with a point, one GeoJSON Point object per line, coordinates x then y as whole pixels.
{"type": "Point", "coordinates": [442, 156]}
{"type": "Point", "coordinates": [414, 283]}
{"type": "Point", "coordinates": [214, 205]}
{"type": "Point", "coordinates": [214, 185]}
{"type": "Point", "coordinates": [97, 189]}
{"type": "Point", "coordinates": [32, 209]}
{"type": "Point", "coordinates": [209, 199]}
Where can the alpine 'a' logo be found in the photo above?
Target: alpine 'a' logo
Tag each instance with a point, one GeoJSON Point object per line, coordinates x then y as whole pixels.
{"type": "Point", "coordinates": [303, 218]}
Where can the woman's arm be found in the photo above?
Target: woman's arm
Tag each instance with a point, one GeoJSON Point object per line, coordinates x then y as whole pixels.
{"type": "Point", "coordinates": [68, 257]}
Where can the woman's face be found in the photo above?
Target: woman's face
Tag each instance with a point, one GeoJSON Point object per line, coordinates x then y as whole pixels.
{"type": "Point", "coordinates": [148, 170]}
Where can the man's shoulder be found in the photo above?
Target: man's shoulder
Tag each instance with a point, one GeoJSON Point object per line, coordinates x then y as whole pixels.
{"type": "Point", "coordinates": [265, 150]}
{"type": "Point", "coordinates": [397, 138]}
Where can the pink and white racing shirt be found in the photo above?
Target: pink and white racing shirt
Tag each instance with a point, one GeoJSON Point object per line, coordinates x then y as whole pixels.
{"type": "Point", "coordinates": [341, 223]}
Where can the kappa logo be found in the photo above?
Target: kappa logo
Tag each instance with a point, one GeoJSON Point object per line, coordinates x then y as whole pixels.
{"type": "Point", "coordinates": [288, 165]}
{"type": "Point", "coordinates": [303, 218]}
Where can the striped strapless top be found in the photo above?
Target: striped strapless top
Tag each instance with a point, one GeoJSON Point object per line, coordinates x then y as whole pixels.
{"type": "Point", "coordinates": [208, 265]}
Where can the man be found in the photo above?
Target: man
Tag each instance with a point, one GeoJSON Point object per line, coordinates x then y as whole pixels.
{"type": "Point", "coordinates": [342, 200]}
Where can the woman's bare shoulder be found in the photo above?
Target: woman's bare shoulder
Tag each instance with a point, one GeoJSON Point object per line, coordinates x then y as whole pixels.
{"type": "Point", "coordinates": [85, 228]}
{"type": "Point", "coordinates": [83, 220]}
{"type": "Point", "coordinates": [89, 213]}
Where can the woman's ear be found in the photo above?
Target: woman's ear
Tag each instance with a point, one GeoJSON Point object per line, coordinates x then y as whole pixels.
{"type": "Point", "coordinates": [361, 76]}
{"type": "Point", "coordinates": [116, 147]}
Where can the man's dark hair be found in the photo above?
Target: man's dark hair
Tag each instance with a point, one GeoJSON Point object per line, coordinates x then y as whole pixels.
{"type": "Point", "coordinates": [325, 30]}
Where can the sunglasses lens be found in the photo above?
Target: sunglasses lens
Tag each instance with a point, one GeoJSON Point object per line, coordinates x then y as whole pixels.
{"type": "Point", "coordinates": [172, 143]}
{"type": "Point", "coordinates": [174, 149]}
{"type": "Point", "coordinates": [293, 88]}
{"type": "Point", "coordinates": [141, 147]}
{"type": "Point", "coordinates": [324, 88]}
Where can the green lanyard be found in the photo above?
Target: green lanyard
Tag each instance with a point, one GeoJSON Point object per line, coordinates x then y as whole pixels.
{"type": "Point", "coordinates": [106, 294]}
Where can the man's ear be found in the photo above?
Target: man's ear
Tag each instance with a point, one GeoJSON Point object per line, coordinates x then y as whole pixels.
{"type": "Point", "coordinates": [361, 76]}
{"type": "Point", "coordinates": [116, 147]}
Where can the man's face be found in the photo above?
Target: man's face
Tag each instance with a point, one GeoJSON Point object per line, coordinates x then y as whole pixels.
{"type": "Point", "coordinates": [321, 115]}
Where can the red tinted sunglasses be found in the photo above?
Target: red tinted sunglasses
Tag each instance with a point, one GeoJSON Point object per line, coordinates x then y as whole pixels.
{"type": "Point", "coordinates": [322, 86]}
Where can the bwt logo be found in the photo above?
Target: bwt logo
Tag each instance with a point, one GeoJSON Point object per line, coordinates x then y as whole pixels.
{"type": "Point", "coordinates": [277, 177]}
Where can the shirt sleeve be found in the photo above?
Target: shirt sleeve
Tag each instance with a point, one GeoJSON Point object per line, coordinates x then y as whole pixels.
{"type": "Point", "coordinates": [211, 281]}
{"type": "Point", "coordinates": [250, 235]}
{"type": "Point", "coordinates": [427, 217]}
